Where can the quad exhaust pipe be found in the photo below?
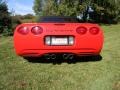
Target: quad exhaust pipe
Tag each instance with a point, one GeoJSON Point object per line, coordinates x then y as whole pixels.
{"type": "Point", "coordinates": [68, 56]}
{"type": "Point", "coordinates": [54, 56]}
{"type": "Point", "coordinates": [50, 56]}
{"type": "Point", "coordinates": [47, 56]}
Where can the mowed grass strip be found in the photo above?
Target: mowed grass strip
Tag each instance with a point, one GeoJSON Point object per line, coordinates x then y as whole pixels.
{"type": "Point", "coordinates": [17, 73]}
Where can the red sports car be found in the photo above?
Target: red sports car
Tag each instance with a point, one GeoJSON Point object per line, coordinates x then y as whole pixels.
{"type": "Point", "coordinates": [54, 35]}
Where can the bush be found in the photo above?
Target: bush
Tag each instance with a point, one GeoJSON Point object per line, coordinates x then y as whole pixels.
{"type": "Point", "coordinates": [15, 21]}
{"type": "Point", "coordinates": [7, 32]}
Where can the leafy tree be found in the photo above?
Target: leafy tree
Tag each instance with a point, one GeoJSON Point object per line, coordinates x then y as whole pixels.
{"type": "Point", "coordinates": [5, 19]}
{"type": "Point", "coordinates": [107, 9]}
{"type": "Point", "coordinates": [104, 10]}
{"type": "Point", "coordinates": [39, 6]}
{"type": "Point", "coordinates": [28, 16]}
{"type": "Point", "coordinates": [52, 7]}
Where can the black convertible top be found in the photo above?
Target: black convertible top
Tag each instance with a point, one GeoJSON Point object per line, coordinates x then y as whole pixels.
{"type": "Point", "coordinates": [59, 19]}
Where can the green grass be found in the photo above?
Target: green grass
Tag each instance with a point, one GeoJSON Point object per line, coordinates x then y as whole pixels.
{"type": "Point", "coordinates": [17, 73]}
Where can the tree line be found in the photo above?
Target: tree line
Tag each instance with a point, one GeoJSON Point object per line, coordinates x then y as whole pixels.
{"type": "Point", "coordinates": [102, 11]}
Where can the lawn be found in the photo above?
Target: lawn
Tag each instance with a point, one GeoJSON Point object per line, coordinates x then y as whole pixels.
{"type": "Point", "coordinates": [17, 73]}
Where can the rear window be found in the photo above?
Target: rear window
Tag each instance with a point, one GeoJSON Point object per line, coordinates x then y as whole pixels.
{"type": "Point", "coordinates": [59, 19]}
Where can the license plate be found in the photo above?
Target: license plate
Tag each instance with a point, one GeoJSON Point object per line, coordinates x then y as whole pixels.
{"type": "Point", "coordinates": [59, 41]}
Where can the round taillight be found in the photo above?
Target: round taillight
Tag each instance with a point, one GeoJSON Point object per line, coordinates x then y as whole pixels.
{"type": "Point", "coordinates": [81, 30]}
{"type": "Point", "coordinates": [94, 30]}
{"type": "Point", "coordinates": [23, 30]}
{"type": "Point", "coordinates": [37, 30]}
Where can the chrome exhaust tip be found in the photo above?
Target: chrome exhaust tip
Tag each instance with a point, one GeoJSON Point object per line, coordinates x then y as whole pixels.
{"type": "Point", "coordinates": [47, 56]}
{"type": "Point", "coordinates": [71, 56]}
{"type": "Point", "coordinates": [68, 56]}
{"type": "Point", "coordinates": [53, 56]}
{"type": "Point", "coordinates": [65, 56]}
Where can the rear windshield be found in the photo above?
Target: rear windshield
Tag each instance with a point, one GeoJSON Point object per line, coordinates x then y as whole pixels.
{"type": "Point", "coordinates": [59, 19]}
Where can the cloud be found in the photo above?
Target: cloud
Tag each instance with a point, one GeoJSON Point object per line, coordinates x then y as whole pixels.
{"type": "Point", "coordinates": [21, 7]}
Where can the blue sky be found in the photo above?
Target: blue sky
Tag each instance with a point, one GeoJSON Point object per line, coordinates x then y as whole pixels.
{"type": "Point", "coordinates": [21, 6]}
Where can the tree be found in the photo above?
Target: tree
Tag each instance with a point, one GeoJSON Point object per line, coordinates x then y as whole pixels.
{"type": "Point", "coordinates": [28, 16]}
{"type": "Point", "coordinates": [109, 9]}
{"type": "Point", "coordinates": [5, 20]}
{"type": "Point", "coordinates": [104, 10]}
{"type": "Point", "coordinates": [57, 7]}
{"type": "Point", "coordinates": [39, 6]}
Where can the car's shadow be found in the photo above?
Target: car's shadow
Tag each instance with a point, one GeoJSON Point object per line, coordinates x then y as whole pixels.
{"type": "Point", "coordinates": [61, 60]}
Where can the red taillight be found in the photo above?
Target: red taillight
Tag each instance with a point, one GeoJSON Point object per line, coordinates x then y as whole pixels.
{"type": "Point", "coordinates": [81, 30]}
{"type": "Point", "coordinates": [23, 30]}
{"type": "Point", "coordinates": [94, 30]}
{"type": "Point", "coordinates": [37, 30]}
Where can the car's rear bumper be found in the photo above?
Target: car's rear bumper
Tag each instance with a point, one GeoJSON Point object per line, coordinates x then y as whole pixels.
{"type": "Point", "coordinates": [40, 52]}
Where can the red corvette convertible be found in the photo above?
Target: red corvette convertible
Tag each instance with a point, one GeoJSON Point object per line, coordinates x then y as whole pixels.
{"type": "Point", "coordinates": [54, 35]}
